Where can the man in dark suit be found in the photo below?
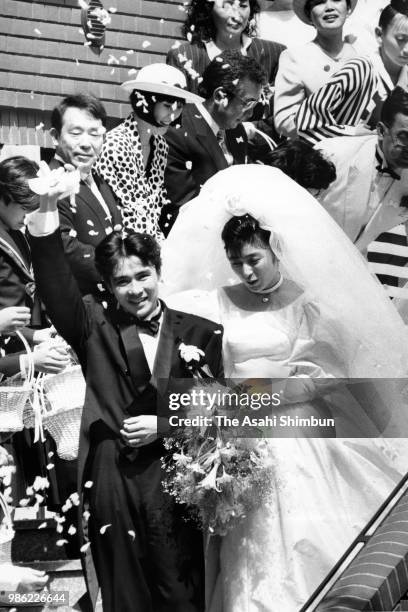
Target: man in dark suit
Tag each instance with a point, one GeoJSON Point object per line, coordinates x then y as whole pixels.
{"type": "Point", "coordinates": [129, 349]}
{"type": "Point", "coordinates": [212, 136]}
{"type": "Point", "coordinates": [78, 128]}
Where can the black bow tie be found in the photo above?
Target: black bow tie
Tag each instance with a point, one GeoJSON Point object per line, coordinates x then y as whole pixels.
{"type": "Point", "coordinates": [388, 171]}
{"type": "Point", "coordinates": [150, 326]}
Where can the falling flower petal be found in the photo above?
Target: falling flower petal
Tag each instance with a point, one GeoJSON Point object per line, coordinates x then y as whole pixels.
{"type": "Point", "coordinates": [89, 483]}
{"type": "Point", "coordinates": [50, 466]}
{"type": "Point", "coordinates": [61, 542]}
{"type": "Point", "coordinates": [146, 44]}
{"type": "Point", "coordinates": [130, 51]}
{"type": "Point", "coordinates": [85, 547]}
{"type": "Point", "coordinates": [132, 71]}
{"type": "Point", "coordinates": [72, 530]}
{"type": "Point", "coordinates": [112, 9]}
{"type": "Point", "coordinates": [86, 514]}
{"type": "Point", "coordinates": [104, 528]}
{"type": "Point", "coordinates": [132, 534]}
{"type": "Point", "coordinates": [73, 233]}
{"type": "Point", "coordinates": [83, 5]}
{"type": "Point", "coordinates": [59, 528]}
{"type": "Point", "coordinates": [23, 502]}
{"type": "Point", "coordinates": [39, 126]}
{"type": "Point", "coordinates": [189, 165]}
{"type": "Point", "coordinates": [42, 526]}
{"type": "Point", "coordinates": [37, 31]}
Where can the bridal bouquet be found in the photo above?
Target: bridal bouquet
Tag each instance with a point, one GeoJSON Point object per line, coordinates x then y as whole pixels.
{"type": "Point", "coordinates": [219, 476]}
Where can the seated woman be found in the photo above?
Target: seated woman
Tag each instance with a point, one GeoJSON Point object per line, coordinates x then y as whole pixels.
{"type": "Point", "coordinates": [356, 93]}
{"type": "Point", "coordinates": [134, 155]}
{"type": "Point", "coordinates": [304, 69]}
{"type": "Point", "coordinates": [304, 309]}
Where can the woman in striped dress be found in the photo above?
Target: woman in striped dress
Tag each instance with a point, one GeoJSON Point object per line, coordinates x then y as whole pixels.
{"type": "Point", "coordinates": [304, 69]}
{"type": "Point", "coordinates": [355, 94]}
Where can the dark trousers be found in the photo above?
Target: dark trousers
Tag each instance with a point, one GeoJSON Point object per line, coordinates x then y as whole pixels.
{"type": "Point", "coordinates": [137, 558]}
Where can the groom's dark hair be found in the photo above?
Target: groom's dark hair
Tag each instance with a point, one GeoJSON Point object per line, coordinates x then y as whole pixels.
{"type": "Point", "coordinates": [239, 231]}
{"type": "Point", "coordinates": [116, 247]}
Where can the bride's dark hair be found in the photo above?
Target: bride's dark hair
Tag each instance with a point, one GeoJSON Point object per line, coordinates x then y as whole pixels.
{"type": "Point", "coordinates": [239, 231]}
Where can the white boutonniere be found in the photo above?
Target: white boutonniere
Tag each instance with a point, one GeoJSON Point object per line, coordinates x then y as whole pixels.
{"type": "Point", "coordinates": [191, 355]}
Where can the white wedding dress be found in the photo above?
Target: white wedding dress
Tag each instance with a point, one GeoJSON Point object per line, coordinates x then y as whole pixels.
{"type": "Point", "coordinates": [324, 490]}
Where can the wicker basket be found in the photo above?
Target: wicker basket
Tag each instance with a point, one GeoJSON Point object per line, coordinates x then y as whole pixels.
{"type": "Point", "coordinates": [14, 394]}
{"type": "Point", "coordinates": [65, 393]}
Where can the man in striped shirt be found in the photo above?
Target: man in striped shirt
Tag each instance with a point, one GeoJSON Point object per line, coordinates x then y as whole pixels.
{"type": "Point", "coordinates": [370, 193]}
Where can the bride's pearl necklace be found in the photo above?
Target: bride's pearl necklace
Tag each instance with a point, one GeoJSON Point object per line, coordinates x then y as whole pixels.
{"type": "Point", "coordinates": [266, 292]}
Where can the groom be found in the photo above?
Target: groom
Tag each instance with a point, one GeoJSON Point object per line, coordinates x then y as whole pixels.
{"type": "Point", "coordinates": [128, 346]}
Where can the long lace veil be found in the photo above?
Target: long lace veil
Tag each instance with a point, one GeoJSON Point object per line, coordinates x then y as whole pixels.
{"type": "Point", "coordinates": [369, 335]}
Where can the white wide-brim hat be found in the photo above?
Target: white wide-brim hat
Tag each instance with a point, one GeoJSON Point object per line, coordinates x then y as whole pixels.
{"type": "Point", "coordinates": [299, 9]}
{"type": "Point", "coordinates": [162, 79]}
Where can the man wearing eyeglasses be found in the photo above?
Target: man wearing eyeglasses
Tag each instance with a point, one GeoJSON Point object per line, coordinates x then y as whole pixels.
{"type": "Point", "coordinates": [212, 136]}
{"type": "Point", "coordinates": [369, 198]}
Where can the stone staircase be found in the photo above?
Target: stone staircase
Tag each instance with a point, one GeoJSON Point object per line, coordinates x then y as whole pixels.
{"type": "Point", "coordinates": [35, 545]}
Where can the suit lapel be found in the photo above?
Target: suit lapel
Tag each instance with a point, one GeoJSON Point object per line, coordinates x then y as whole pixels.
{"type": "Point", "coordinates": [360, 179]}
{"type": "Point", "coordinates": [8, 246]}
{"type": "Point", "coordinates": [164, 354]}
{"type": "Point", "coordinates": [206, 137]}
{"type": "Point", "coordinates": [108, 197]}
{"type": "Point", "coordinates": [139, 370]}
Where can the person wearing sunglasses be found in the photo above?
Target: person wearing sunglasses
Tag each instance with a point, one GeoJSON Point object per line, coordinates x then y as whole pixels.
{"type": "Point", "coordinates": [212, 136]}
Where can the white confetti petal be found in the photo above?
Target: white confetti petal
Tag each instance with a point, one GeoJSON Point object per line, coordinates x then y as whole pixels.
{"type": "Point", "coordinates": [93, 233]}
{"type": "Point", "coordinates": [146, 44]}
{"type": "Point", "coordinates": [37, 31]}
{"type": "Point", "coordinates": [73, 233]}
{"type": "Point", "coordinates": [39, 126]}
{"type": "Point", "coordinates": [123, 58]}
{"type": "Point", "coordinates": [132, 534]}
{"type": "Point", "coordinates": [72, 530]}
{"type": "Point", "coordinates": [61, 542]}
{"type": "Point", "coordinates": [189, 165]}
{"type": "Point", "coordinates": [59, 528]}
{"type": "Point", "coordinates": [104, 528]}
{"type": "Point", "coordinates": [50, 466]}
{"type": "Point", "coordinates": [112, 9]}
{"type": "Point", "coordinates": [43, 525]}
{"type": "Point", "coordinates": [132, 71]}
{"type": "Point", "coordinates": [83, 5]}
{"type": "Point", "coordinates": [86, 514]}
{"type": "Point", "coordinates": [89, 483]}
{"type": "Point", "coordinates": [130, 52]}
{"type": "Point", "coordinates": [85, 547]}
{"type": "Point", "coordinates": [23, 502]}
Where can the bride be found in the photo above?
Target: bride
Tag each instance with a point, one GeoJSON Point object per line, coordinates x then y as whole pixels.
{"type": "Point", "coordinates": [306, 308]}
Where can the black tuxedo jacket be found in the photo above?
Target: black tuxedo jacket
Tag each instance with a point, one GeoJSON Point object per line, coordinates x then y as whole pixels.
{"type": "Point", "coordinates": [107, 348]}
{"type": "Point", "coordinates": [85, 227]}
{"type": "Point", "coordinates": [195, 155]}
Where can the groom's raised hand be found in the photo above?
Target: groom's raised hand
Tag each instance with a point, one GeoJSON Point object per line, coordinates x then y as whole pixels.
{"type": "Point", "coordinates": [139, 430]}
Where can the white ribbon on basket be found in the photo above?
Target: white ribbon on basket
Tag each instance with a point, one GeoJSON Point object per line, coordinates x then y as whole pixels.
{"type": "Point", "coordinates": [34, 400]}
{"type": "Point", "coordinates": [6, 523]}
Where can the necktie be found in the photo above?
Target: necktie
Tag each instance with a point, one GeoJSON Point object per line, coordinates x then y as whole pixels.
{"type": "Point", "coordinates": [224, 148]}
